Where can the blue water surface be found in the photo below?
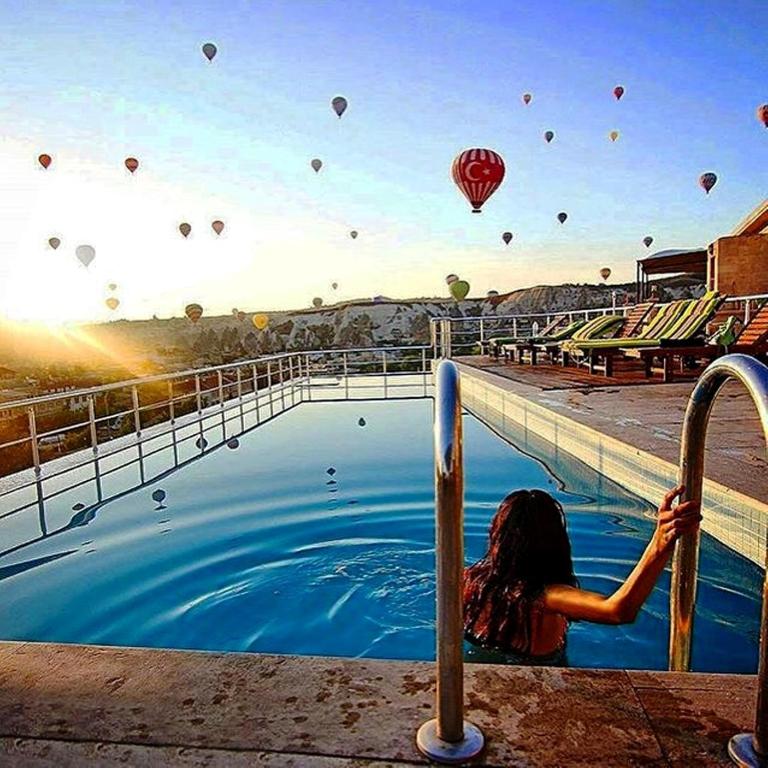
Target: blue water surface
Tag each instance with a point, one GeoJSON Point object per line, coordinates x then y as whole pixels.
{"type": "Point", "coordinates": [315, 535]}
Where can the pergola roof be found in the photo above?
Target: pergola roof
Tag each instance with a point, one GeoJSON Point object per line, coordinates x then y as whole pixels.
{"type": "Point", "coordinates": [690, 260]}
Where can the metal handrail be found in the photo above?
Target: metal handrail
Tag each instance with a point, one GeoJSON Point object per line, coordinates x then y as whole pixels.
{"type": "Point", "coordinates": [474, 327]}
{"type": "Point", "coordinates": [192, 372]}
{"type": "Point", "coordinates": [745, 749]}
{"type": "Point", "coordinates": [448, 738]}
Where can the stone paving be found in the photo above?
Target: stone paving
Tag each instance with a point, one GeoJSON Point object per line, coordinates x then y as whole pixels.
{"type": "Point", "coordinates": [70, 705]}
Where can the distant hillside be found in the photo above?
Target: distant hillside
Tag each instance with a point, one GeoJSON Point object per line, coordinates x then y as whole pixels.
{"type": "Point", "coordinates": [140, 346]}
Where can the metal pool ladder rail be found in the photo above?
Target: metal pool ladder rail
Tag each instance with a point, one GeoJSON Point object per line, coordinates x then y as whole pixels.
{"type": "Point", "coordinates": [449, 738]}
{"type": "Point", "coordinates": [745, 749]}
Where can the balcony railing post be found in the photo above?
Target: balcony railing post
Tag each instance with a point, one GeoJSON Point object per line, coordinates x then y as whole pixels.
{"type": "Point", "coordinates": [449, 738]}
{"type": "Point", "coordinates": [514, 327]}
{"type": "Point", "coordinates": [290, 379]}
{"type": "Point", "coordinates": [171, 403]}
{"type": "Point", "coordinates": [482, 331]}
{"type": "Point", "coordinates": [92, 426]}
{"type": "Point", "coordinates": [269, 388]}
{"type": "Point", "coordinates": [33, 440]}
{"type": "Point", "coordinates": [384, 370]}
{"type": "Point", "coordinates": [745, 749]}
{"type": "Point", "coordinates": [220, 379]}
{"type": "Point", "coordinates": [282, 388]}
{"type": "Point", "coordinates": [345, 363]}
{"type": "Point", "coordinates": [198, 394]}
{"type": "Point", "coordinates": [136, 411]}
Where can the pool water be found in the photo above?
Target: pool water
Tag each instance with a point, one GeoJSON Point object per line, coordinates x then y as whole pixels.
{"type": "Point", "coordinates": [315, 535]}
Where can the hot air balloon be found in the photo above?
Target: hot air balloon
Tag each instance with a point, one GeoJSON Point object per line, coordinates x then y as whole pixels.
{"type": "Point", "coordinates": [185, 229]}
{"type": "Point", "coordinates": [112, 287]}
{"type": "Point", "coordinates": [707, 181]}
{"type": "Point", "coordinates": [527, 99]}
{"type": "Point", "coordinates": [233, 443]}
{"type": "Point", "coordinates": [507, 237]}
{"type": "Point", "coordinates": [762, 114]}
{"type": "Point", "coordinates": [54, 242]}
{"type": "Point", "coordinates": [131, 163]}
{"type": "Point", "coordinates": [459, 290]}
{"type": "Point", "coordinates": [201, 443]}
{"type": "Point", "coordinates": [113, 303]}
{"type": "Point", "coordinates": [647, 240]}
{"type": "Point", "coordinates": [234, 311]}
{"type": "Point", "coordinates": [317, 302]}
{"type": "Point", "coordinates": [478, 174]}
{"type": "Point", "coordinates": [451, 279]}
{"type": "Point", "coordinates": [209, 51]}
{"type": "Point", "coordinates": [618, 92]}
{"type": "Point", "coordinates": [85, 254]}
{"type": "Point", "coordinates": [158, 495]}
{"type": "Point", "coordinates": [353, 234]}
{"type": "Point", "coordinates": [339, 105]}
{"type": "Point", "coordinates": [492, 294]}
{"type": "Point", "coordinates": [361, 422]}
{"type": "Point", "coordinates": [613, 135]}
{"type": "Point", "coordinates": [562, 216]}
{"type": "Point", "coordinates": [605, 273]}
{"type": "Point", "coordinates": [260, 321]}
{"type": "Point", "coordinates": [548, 136]}
{"type": "Point", "coordinates": [334, 286]}
{"type": "Point", "coordinates": [317, 164]}
{"type": "Point", "coordinates": [44, 160]}
{"type": "Point", "coordinates": [241, 316]}
{"type": "Point", "coordinates": [218, 226]}
{"type": "Point", "coordinates": [194, 312]}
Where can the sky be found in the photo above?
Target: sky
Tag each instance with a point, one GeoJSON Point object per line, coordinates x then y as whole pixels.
{"type": "Point", "coordinates": [91, 83]}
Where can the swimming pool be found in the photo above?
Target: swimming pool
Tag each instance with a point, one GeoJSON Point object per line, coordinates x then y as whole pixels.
{"type": "Point", "coordinates": [314, 535]}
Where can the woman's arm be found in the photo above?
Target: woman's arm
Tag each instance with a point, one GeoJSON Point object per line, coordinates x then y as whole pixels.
{"type": "Point", "coordinates": [624, 604]}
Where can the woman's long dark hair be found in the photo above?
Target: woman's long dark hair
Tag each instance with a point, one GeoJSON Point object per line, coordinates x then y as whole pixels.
{"type": "Point", "coordinates": [528, 549]}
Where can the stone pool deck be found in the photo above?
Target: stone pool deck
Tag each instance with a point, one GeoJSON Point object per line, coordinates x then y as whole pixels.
{"type": "Point", "coordinates": [71, 705]}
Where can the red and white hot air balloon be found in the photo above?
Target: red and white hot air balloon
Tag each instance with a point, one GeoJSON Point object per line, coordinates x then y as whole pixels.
{"type": "Point", "coordinates": [762, 114]}
{"type": "Point", "coordinates": [478, 173]}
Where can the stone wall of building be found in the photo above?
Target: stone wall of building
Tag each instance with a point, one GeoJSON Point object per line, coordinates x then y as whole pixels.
{"type": "Point", "coordinates": [738, 265]}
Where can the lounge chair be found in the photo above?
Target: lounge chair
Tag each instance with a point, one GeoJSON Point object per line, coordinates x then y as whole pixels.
{"type": "Point", "coordinates": [517, 349]}
{"type": "Point", "coordinates": [752, 340]}
{"type": "Point", "coordinates": [496, 343]}
{"type": "Point", "coordinates": [597, 328]}
{"type": "Point", "coordinates": [675, 324]}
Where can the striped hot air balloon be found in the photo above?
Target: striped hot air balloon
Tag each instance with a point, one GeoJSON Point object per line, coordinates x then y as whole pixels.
{"type": "Point", "coordinates": [478, 173]}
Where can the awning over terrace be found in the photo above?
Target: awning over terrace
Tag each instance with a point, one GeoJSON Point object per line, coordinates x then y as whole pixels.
{"type": "Point", "coordinates": [674, 261]}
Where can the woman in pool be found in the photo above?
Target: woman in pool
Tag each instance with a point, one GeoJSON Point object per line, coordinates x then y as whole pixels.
{"type": "Point", "coordinates": [520, 597]}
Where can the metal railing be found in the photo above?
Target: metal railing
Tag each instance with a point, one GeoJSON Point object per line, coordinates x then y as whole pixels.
{"type": "Point", "coordinates": [448, 738]}
{"type": "Point", "coordinates": [90, 417]}
{"type": "Point", "coordinates": [199, 411]}
{"type": "Point", "coordinates": [463, 334]}
{"type": "Point", "coordinates": [745, 749]}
